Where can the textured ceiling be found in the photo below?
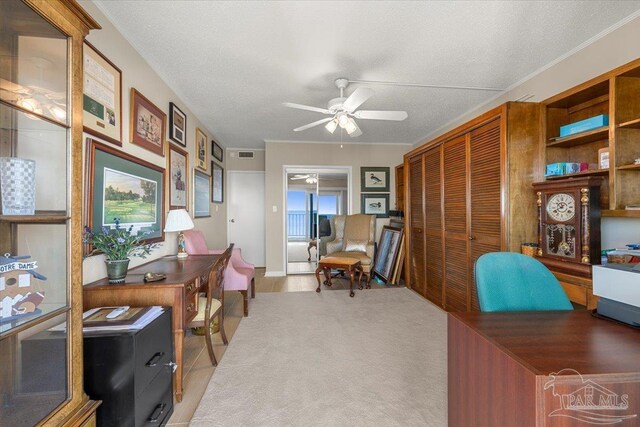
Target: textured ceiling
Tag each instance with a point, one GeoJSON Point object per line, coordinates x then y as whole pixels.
{"type": "Point", "coordinates": [234, 63]}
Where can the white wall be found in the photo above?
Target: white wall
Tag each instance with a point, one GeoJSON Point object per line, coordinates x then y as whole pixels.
{"type": "Point", "coordinates": [138, 74]}
{"type": "Point", "coordinates": [608, 52]}
{"type": "Point", "coordinates": [279, 154]}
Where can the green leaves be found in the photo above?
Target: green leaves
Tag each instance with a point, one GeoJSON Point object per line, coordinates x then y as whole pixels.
{"type": "Point", "coordinates": [117, 243]}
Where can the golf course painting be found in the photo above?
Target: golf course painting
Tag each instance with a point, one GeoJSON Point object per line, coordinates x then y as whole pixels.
{"type": "Point", "coordinates": [125, 187]}
{"type": "Point", "coordinates": [130, 198]}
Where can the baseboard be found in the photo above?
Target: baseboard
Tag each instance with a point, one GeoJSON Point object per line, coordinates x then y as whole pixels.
{"type": "Point", "coordinates": [274, 274]}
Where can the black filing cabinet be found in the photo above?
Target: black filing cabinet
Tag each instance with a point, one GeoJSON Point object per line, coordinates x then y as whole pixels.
{"type": "Point", "coordinates": [132, 373]}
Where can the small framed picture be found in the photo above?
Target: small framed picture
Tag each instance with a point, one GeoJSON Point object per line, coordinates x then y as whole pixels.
{"type": "Point", "coordinates": [201, 190]}
{"type": "Point", "coordinates": [216, 151]}
{"type": "Point", "coordinates": [603, 158]}
{"type": "Point", "coordinates": [177, 125]}
{"type": "Point", "coordinates": [375, 204]}
{"type": "Point", "coordinates": [374, 179]}
{"type": "Point", "coordinates": [217, 185]}
{"type": "Point", "coordinates": [201, 150]}
{"type": "Point", "coordinates": [178, 178]}
{"type": "Point", "coordinates": [147, 124]}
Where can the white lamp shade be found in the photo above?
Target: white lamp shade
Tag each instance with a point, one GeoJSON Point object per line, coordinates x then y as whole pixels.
{"type": "Point", "coordinates": [178, 220]}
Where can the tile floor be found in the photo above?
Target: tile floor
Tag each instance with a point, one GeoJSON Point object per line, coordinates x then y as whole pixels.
{"type": "Point", "coordinates": [197, 366]}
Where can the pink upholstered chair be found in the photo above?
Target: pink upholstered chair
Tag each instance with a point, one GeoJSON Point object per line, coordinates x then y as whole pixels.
{"type": "Point", "coordinates": [239, 275]}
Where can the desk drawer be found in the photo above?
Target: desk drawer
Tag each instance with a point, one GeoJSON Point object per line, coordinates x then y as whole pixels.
{"type": "Point", "coordinates": [153, 352]}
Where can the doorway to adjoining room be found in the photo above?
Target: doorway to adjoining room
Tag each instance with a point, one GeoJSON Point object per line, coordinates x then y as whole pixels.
{"type": "Point", "coordinates": [313, 197]}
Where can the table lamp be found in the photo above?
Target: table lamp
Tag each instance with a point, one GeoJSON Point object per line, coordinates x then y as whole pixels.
{"type": "Point", "coordinates": [178, 220]}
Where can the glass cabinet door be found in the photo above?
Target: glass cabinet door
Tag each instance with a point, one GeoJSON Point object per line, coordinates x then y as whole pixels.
{"type": "Point", "coordinates": [34, 215]}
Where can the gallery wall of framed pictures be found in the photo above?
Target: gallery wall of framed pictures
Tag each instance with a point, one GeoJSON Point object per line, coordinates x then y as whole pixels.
{"type": "Point", "coordinates": [126, 183]}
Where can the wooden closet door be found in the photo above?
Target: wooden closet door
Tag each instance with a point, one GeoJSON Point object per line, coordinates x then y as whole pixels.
{"type": "Point", "coordinates": [433, 224]}
{"type": "Point", "coordinates": [416, 205]}
{"type": "Point", "coordinates": [455, 224]}
{"type": "Point", "coordinates": [486, 218]}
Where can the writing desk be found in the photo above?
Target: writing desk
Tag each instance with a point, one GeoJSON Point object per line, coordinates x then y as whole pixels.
{"type": "Point", "coordinates": [501, 369]}
{"type": "Point", "coordinates": [179, 291]}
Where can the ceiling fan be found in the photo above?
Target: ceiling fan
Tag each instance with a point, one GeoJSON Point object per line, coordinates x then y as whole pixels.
{"type": "Point", "coordinates": [310, 178]}
{"type": "Point", "coordinates": [343, 111]}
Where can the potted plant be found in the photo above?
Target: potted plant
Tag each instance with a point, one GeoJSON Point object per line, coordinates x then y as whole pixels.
{"type": "Point", "coordinates": [117, 244]}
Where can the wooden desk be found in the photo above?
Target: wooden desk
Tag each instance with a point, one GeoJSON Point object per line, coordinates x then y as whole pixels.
{"type": "Point", "coordinates": [500, 368]}
{"type": "Point", "coordinates": [178, 291]}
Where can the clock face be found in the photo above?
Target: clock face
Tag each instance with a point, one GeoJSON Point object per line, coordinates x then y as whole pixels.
{"type": "Point", "coordinates": [561, 207]}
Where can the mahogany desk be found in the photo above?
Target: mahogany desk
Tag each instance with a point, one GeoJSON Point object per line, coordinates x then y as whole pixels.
{"type": "Point", "coordinates": [178, 291]}
{"type": "Point", "coordinates": [500, 366]}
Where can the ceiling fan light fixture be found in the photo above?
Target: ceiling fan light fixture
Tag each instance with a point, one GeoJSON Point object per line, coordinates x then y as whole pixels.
{"type": "Point", "coordinates": [331, 126]}
{"type": "Point", "coordinates": [350, 127]}
{"type": "Point", "coordinates": [343, 120]}
{"type": "Point", "coordinates": [311, 180]}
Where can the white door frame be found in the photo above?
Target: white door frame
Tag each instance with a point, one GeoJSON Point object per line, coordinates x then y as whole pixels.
{"type": "Point", "coordinates": [229, 204]}
{"type": "Point", "coordinates": [304, 169]}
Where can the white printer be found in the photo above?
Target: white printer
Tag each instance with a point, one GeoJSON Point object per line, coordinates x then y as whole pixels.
{"type": "Point", "coordinates": [618, 286]}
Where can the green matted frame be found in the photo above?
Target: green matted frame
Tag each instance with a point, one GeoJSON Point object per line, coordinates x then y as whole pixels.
{"type": "Point", "coordinates": [101, 157]}
{"type": "Point", "coordinates": [375, 204]}
{"type": "Point", "coordinates": [374, 179]}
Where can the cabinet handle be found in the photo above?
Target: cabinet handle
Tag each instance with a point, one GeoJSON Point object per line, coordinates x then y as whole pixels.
{"type": "Point", "coordinates": [172, 365]}
{"type": "Point", "coordinates": [155, 359]}
{"type": "Point", "coordinates": [190, 307]}
{"type": "Point", "coordinates": [472, 238]}
{"type": "Point", "coordinates": [189, 287]}
{"type": "Point", "coordinates": [157, 413]}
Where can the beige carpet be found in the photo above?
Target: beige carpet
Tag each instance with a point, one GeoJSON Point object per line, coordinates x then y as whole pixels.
{"type": "Point", "coordinates": [307, 359]}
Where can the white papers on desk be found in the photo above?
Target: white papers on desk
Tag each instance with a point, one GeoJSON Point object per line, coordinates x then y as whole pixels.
{"type": "Point", "coordinates": [140, 323]}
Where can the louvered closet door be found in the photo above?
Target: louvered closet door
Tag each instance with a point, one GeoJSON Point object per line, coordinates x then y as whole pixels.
{"type": "Point", "coordinates": [485, 196]}
{"type": "Point", "coordinates": [433, 224]}
{"type": "Point", "coordinates": [455, 224]}
{"type": "Point", "coordinates": [416, 201]}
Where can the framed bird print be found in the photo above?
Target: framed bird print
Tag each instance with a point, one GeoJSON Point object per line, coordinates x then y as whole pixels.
{"type": "Point", "coordinates": [374, 179]}
{"type": "Point", "coordinates": [375, 204]}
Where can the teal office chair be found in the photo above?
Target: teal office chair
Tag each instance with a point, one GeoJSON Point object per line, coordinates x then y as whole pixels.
{"type": "Point", "coordinates": [509, 281]}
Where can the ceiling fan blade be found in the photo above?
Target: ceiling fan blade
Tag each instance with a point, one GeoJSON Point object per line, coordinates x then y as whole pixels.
{"type": "Point", "coordinates": [381, 115]}
{"type": "Point", "coordinates": [357, 98]}
{"type": "Point", "coordinates": [356, 132]}
{"type": "Point", "coordinates": [306, 107]}
{"type": "Point", "coordinates": [310, 125]}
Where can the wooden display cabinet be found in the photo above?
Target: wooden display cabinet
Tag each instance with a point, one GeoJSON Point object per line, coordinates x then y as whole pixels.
{"type": "Point", "coordinates": [616, 94]}
{"type": "Point", "coordinates": [40, 119]}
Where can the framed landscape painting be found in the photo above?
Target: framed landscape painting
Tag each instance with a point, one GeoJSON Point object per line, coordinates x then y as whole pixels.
{"type": "Point", "coordinates": [178, 178]}
{"type": "Point", "coordinates": [375, 204]}
{"type": "Point", "coordinates": [147, 124]}
{"type": "Point", "coordinates": [124, 187]}
{"type": "Point", "coordinates": [374, 179]}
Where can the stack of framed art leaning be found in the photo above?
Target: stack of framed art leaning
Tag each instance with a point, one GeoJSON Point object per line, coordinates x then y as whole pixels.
{"type": "Point", "coordinates": [121, 185]}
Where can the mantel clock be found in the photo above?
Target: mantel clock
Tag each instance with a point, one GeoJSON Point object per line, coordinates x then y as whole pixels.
{"type": "Point", "coordinates": [569, 224]}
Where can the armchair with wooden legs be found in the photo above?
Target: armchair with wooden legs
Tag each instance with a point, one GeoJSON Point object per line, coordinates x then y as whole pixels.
{"type": "Point", "coordinates": [211, 304]}
{"type": "Point", "coordinates": [240, 275]}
